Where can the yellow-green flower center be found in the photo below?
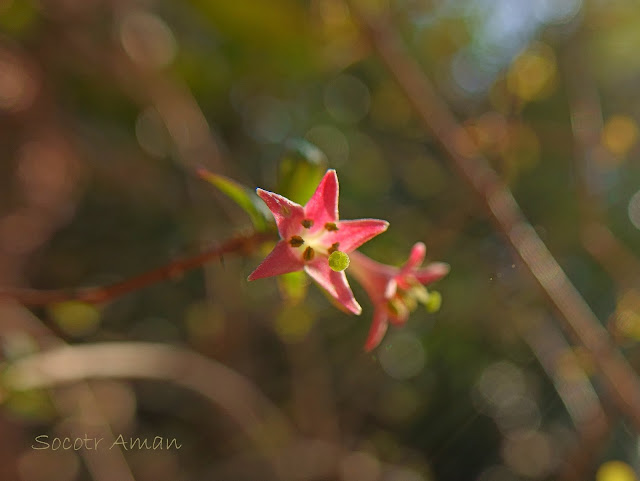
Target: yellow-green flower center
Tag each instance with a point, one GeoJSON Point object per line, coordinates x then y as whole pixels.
{"type": "Point", "coordinates": [309, 245]}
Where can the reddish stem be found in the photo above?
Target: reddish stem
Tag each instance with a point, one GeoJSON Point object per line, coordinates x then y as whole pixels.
{"type": "Point", "coordinates": [96, 295]}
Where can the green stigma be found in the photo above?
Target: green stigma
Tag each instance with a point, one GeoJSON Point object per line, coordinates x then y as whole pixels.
{"type": "Point", "coordinates": [338, 261]}
{"type": "Point", "coordinates": [434, 302]}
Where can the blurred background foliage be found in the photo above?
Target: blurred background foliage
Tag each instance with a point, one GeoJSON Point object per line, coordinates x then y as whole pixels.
{"type": "Point", "coordinates": [107, 110]}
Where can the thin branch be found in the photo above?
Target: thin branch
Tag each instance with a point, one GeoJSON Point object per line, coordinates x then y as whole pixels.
{"type": "Point", "coordinates": [577, 393]}
{"type": "Point", "coordinates": [578, 319]}
{"type": "Point", "coordinates": [622, 265]}
{"type": "Point", "coordinates": [34, 297]}
{"type": "Point", "coordinates": [599, 241]}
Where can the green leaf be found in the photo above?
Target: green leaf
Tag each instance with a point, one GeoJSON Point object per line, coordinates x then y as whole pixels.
{"type": "Point", "coordinates": [246, 198]}
{"type": "Point", "coordinates": [301, 170]}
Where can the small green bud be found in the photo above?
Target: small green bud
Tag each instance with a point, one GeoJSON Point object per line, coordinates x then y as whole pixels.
{"type": "Point", "coordinates": [435, 301]}
{"type": "Point", "coordinates": [338, 261]}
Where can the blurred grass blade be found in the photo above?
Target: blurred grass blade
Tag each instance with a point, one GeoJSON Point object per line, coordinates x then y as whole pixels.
{"type": "Point", "coordinates": [246, 198]}
{"type": "Point", "coordinates": [301, 169]}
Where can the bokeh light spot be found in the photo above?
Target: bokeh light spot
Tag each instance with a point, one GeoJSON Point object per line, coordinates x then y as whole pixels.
{"type": "Point", "coordinates": [533, 73]}
{"type": "Point", "coordinates": [402, 355]}
{"type": "Point", "coordinates": [331, 141]}
{"type": "Point", "coordinates": [347, 99]}
{"type": "Point", "coordinates": [267, 119]}
{"type": "Point", "coordinates": [293, 323]}
{"type": "Point", "coordinates": [499, 385]}
{"type": "Point", "coordinates": [75, 318]}
{"type": "Point", "coordinates": [147, 39]}
{"type": "Point", "coordinates": [615, 471]}
{"type": "Point", "coordinates": [620, 134]}
{"type": "Point", "coordinates": [18, 87]}
{"type": "Point", "coordinates": [529, 453]}
{"type": "Point", "coordinates": [359, 466]}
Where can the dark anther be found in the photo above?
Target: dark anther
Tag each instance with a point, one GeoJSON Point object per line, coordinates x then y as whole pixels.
{"type": "Point", "coordinates": [296, 241]}
{"type": "Point", "coordinates": [308, 254]}
{"type": "Point", "coordinates": [334, 247]}
{"type": "Point", "coordinates": [330, 226]}
{"type": "Point", "coordinates": [307, 223]}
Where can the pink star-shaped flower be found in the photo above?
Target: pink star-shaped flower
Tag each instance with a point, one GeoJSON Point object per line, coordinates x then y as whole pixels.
{"type": "Point", "coordinates": [394, 291]}
{"type": "Point", "coordinates": [310, 234]}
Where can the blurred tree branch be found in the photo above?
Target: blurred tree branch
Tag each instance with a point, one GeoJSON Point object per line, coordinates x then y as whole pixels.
{"type": "Point", "coordinates": [222, 386]}
{"type": "Point", "coordinates": [572, 384]}
{"type": "Point", "coordinates": [258, 417]}
{"type": "Point", "coordinates": [620, 379]}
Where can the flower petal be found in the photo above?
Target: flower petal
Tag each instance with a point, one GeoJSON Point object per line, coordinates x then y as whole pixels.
{"type": "Point", "coordinates": [377, 331]}
{"type": "Point", "coordinates": [323, 204]}
{"type": "Point", "coordinates": [391, 288]}
{"type": "Point", "coordinates": [433, 272]}
{"type": "Point", "coordinates": [372, 275]}
{"type": "Point", "coordinates": [351, 234]}
{"type": "Point", "coordinates": [416, 257]}
{"type": "Point", "coordinates": [335, 283]}
{"type": "Point", "coordinates": [288, 214]}
{"type": "Point", "coordinates": [281, 260]}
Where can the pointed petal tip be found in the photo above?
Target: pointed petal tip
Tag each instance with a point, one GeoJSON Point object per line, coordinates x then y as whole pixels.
{"type": "Point", "coordinates": [322, 207]}
{"type": "Point", "coordinates": [263, 194]}
{"type": "Point", "coordinates": [351, 305]}
{"type": "Point", "coordinates": [442, 267]}
{"type": "Point", "coordinates": [380, 225]}
{"type": "Point", "coordinates": [377, 331]}
{"type": "Point", "coordinates": [351, 234]}
{"type": "Point", "coordinates": [253, 276]}
{"type": "Point", "coordinates": [433, 272]}
{"type": "Point", "coordinates": [329, 175]}
{"type": "Point", "coordinates": [416, 256]}
{"type": "Point", "coordinates": [419, 247]}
